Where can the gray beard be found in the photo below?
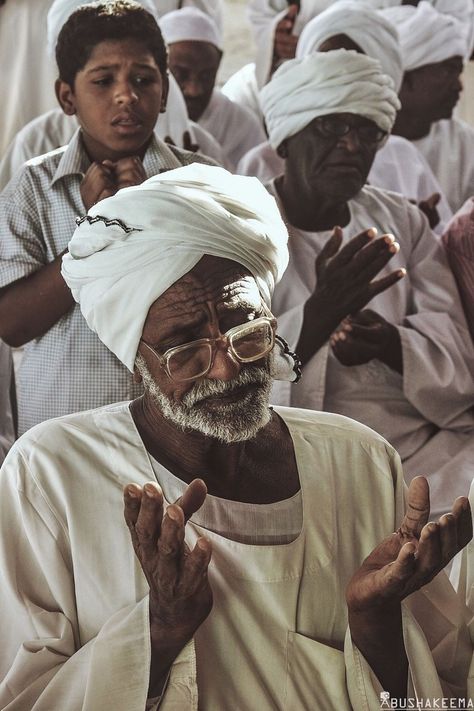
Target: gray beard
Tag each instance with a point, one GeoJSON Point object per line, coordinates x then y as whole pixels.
{"type": "Point", "coordinates": [230, 422]}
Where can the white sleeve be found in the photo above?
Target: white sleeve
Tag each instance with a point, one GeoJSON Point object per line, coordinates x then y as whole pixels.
{"type": "Point", "coordinates": [44, 664]}
{"type": "Point", "coordinates": [438, 354]}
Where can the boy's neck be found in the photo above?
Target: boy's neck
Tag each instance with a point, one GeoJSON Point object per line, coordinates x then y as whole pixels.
{"type": "Point", "coordinates": [97, 153]}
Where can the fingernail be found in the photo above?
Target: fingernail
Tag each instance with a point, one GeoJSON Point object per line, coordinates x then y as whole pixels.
{"type": "Point", "coordinates": [372, 232]}
{"type": "Point", "coordinates": [389, 239]}
{"type": "Point", "coordinates": [402, 272]}
{"type": "Point", "coordinates": [149, 490]}
{"type": "Point", "coordinates": [132, 492]}
{"type": "Point", "coordinates": [394, 248]}
{"type": "Point", "coordinates": [172, 513]}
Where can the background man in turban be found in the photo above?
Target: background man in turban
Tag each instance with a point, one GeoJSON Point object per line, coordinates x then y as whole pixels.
{"type": "Point", "coordinates": [405, 364]}
{"type": "Point", "coordinates": [238, 588]}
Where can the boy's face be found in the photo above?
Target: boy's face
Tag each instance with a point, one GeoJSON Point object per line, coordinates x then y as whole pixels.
{"type": "Point", "coordinates": [116, 97]}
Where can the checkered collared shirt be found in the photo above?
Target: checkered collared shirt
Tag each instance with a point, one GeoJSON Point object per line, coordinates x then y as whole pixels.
{"type": "Point", "coordinates": [68, 369]}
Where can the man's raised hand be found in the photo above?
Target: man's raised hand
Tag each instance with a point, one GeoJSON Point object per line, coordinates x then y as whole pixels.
{"type": "Point", "coordinates": [412, 556]}
{"type": "Point", "coordinates": [180, 594]}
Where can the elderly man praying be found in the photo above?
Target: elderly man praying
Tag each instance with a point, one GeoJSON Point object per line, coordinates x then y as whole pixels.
{"type": "Point", "coordinates": [244, 584]}
{"type": "Point", "coordinates": [400, 361]}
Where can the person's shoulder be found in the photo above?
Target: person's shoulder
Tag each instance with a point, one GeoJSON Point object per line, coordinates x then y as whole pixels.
{"type": "Point", "coordinates": [452, 131]}
{"type": "Point", "coordinates": [71, 433]}
{"type": "Point", "coordinates": [187, 157]}
{"type": "Point", "coordinates": [331, 427]}
{"type": "Point", "coordinates": [39, 169]}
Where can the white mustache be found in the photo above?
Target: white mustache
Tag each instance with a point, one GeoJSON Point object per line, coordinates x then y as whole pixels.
{"type": "Point", "coordinates": [251, 375]}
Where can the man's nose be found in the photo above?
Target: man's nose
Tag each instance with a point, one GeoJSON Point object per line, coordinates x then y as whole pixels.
{"type": "Point", "coordinates": [126, 94]}
{"type": "Point", "coordinates": [350, 141]}
{"type": "Point", "coordinates": [192, 89]}
{"type": "Point", "coordinates": [224, 366]}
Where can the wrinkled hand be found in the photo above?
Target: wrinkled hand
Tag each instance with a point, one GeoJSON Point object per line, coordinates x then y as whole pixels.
{"type": "Point", "coordinates": [412, 556]}
{"type": "Point", "coordinates": [128, 171]}
{"type": "Point", "coordinates": [97, 184]}
{"type": "Point", "coordinates": [180, 594]}
{"type": "Point", "coordinates": [428, 207]}
{"type": "Point", "coordinates": [365, 336]}
{"type": "Point", "coordinates": [284, 45]}
{"type": "Point", "coordinates": [344, 276]}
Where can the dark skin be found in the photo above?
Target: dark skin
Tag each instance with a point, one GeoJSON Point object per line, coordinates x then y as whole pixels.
{"type": "Point", "coordinates": [428, 94]}
{"type": "Point", "coordinates": [341, 41]}
{"type": "Point", "coordinates": [213, 297]}
{"type": "Point", "coordinates": [117, 97]}
{"type": "Point", "coordinates": [321, 175]}
{"type": "Point", "coordinates": [194, 65]}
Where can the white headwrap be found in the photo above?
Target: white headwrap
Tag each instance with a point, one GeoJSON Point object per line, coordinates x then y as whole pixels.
{"type": "Point", "coordinates": [374, 34]}
{"type": "Point", "coordinates": [133, 246]}
{"type": "Point", "coordinates": [61, 10]}
{"type": "Point", "coordinates": [190, 25]}
{"type": "Point", "coordinates": [325, 83]}
{"type": "Point", "coordinates": [426, 35]}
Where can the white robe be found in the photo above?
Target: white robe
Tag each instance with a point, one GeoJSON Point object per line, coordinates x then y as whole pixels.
{"type": "Point", "coordinates": [28, 73]}
{"type": "Point", "coordinates": [7, 434]}
{"type": "Point", "coordinates": [233, 127]}
{"type": "Point", "coordinates": [449, 149]}
{"type": "Point", "coordinates": [74, 605]}
{"type": "Point", "coordinates": [427, 413]}
{"type": "Point", "coordinates": [397, 166]}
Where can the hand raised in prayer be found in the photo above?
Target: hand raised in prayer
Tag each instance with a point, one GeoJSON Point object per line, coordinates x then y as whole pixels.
{"type": "Point", "coordinates": [365, 336]}
{"type": "Point", "coordinates": [97, 184]}
{"type": "Point", "coordinates": [344, 284]}
{"type": "Point", "coordinates": [403, 563]}
{"type": "Point", "coordinates": [284, 45]}
{"type": "Point", "coordinates": [180, 594]}
{"type": "Point", "coordinates": [428, 207]}
{"type": "Point", "coordinates": [129, 171]}
{"type": "Point", "coordinates": [413, 555]}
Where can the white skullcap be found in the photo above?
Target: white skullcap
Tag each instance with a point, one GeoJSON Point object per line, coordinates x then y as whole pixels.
{"type": "Point", "coordinates": [61, 10]}
{"type": "Point", "coordinates": [133, 246]}
{"type": "Point", "coordinates": [426, 35]}
{"type": "Point", "coordinates": [374, 34]}
{"type": "Point", "coordinates": [325, 83]}
{"type": "Point", "coordinates": [190, 25]}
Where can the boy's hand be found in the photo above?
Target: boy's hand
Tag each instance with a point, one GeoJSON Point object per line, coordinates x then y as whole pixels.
{"type": "Point", "coordinates": [98, 183]}
{"type": "Point", "coordinates": [129, 171]}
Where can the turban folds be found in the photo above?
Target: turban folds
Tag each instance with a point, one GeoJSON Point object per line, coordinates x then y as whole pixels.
{"type": "Point", "coordinates": [190, 25]}
{"type": "Point", "coordinates": [426, 35]}
{"type": "Point", "coordinates": [133, 246]}
{"type": "Point", "coordinates": [325, 83]}
{"type": "Point", "coordinates": [373, 33]}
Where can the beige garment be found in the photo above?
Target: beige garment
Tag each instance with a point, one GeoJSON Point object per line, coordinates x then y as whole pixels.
{"type": "Point", "coordinates": [28, 73]}
{"type": "Point", "coordinates": [427, 413]}
{"type": "Point", "coordinates": [7, 434]}
{"type": "Point", "coordinates": [73, 599]}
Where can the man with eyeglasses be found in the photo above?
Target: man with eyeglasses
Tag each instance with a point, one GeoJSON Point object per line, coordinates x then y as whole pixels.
{"type": "Point", "coordinates": [398, 359]}
{"type": "Point", "coordinates": [250, 590]}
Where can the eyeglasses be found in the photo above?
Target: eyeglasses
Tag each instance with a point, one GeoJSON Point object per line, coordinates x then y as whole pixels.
{"type": "Point", "coordinates": [247, 343]}
{"type": "Point", "coordinates": [336, 127]}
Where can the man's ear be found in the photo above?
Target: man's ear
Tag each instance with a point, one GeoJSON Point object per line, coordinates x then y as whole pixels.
{"type": "Point", "coordinates": [282, 150]}
{"type": "Point", "coordinates": [65, 97]}
{"type": "Point", "coordinates": [164, 93]}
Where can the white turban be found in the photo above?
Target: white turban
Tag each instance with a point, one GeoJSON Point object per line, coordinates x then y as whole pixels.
{"type": "Point", "coordinates": [133, 246]}
{"type": "Point", "coordinates": [190, 25]}
{"type": "Point", "coordinates": [325, 83]}
{"type": "Point", "coordinates": [374, 34]}
{"type": "Point", "coordinates": [61, 10]}
{"type": "Point", "coordinates": [426, 35]}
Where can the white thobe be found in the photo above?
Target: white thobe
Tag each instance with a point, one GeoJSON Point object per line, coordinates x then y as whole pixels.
{"type": "Point", "coordinates": [397, 166]}
{"type": "Point", "coordinates": [55, 129]}
{"type": "Point", "coordinates": [233, 127]}
{"type": "Point", "coordinates": [74, 605]}
{"type": "Point", "coordinates": [7, 433]}
{"type": "Point", "coordinates": [28, 73]}
{"type": "Point", "coordinates": [242, 88]}
{"type": "Point", "coordinates": [427, 413]}
{"type": "Point", "coordinates": [449, 148]}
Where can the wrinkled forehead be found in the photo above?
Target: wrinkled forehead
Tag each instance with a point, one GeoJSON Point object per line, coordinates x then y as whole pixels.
{"type": "Point", "coordinates": [225, 284]}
